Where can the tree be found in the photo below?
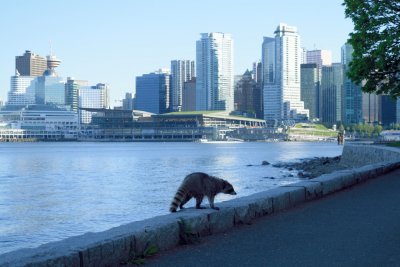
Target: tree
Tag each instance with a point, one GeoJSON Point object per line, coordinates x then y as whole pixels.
{"type": "Point", "coordinates": [376, 44]}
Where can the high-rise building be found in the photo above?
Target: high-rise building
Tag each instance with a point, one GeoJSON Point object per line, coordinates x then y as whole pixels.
{"type": "Point", "coordinates": [371, 108]}
{"type": "Point", "coordinates": [50, 88]}
{"type": "Point", "coordinates": [281, 57]}
{"type": "Point", "coordinates": [214, 72]}
{"type": "Point", "coordinates": [319, 57]}
{"type": "Point", "coordinates": [390, 110]}
{"type": "Point", "coordinates": [247, 96]}
{"type": "Point", "coordinates": [22, 90]}
{"type": "Point", "coordinates": [92, 97]}
{"type": "Point", "coordinates": [72, 92]}
{"type": "Point", "coordinates": [331, 93]}
{"type": "Point", "coordinates": [127, 102]}
{"type": "Point", "coordinates": [189, 95]}
{"type": "Point", "coordinates": [310, 88]}
{"type": "Point", "coordinates": [181, 71]}
{"type": "Point", "coordinates": [352, 94]}
{"type": "Point", "coordinates": [152, 92]}
{"type": "Point", "coordinates": [30, 64]}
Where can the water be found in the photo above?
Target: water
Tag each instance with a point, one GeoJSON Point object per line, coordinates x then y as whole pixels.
{"type": "Point", "coordinates": [50, 191]}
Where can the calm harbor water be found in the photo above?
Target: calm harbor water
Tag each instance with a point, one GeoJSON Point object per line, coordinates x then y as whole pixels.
{"type": "Point", "coordinates": [50, 191]}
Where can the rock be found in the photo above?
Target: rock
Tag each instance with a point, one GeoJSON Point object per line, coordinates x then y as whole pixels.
{"type": "Point", "coordinates": [249, 165]}
{"type": "Point", "coordinates": [264, 162]}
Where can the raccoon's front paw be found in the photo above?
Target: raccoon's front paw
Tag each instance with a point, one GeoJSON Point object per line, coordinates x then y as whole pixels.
{"type": "Point", "coordinates": [215, 208]}
{"type": "Point", "coordinates": [200, 208]}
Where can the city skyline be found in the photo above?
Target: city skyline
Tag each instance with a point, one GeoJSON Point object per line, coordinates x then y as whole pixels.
{"type": "Point", "coordinates": [108, 43]}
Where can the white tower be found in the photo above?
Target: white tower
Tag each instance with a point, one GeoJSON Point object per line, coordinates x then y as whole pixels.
{"type": "Point", "coordinates": [214, 72]}
{"type": "Point", "coordinates": [281, 70]}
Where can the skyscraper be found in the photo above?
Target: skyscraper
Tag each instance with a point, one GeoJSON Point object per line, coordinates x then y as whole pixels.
{"type": "Point", "coordinates": [352, 95]}
{"type": "Point", "coordinates": [50, 88]}
{"type": "Point", "coordinates": [214, 72]}
{"type": "Point", "coordinates": [310, 88]}
{"type": "Point", "coordinates": [92, 97]}
{"type": "Point", "coordinates": [181, 71]}
{"type": "Point", "coordinates": [281, 58]}
{"type": "Point", "coordinates": [72, 92]}
{"type": "Point", "coordinates": [371, 108]}
{"type": "Point", "coordinates": [319, 57]}
{"type": "Point", "coordinates": [152, 92]}
{"type": "Point", "coordinates": [331, 90]}
{"type": "Point", "coordinates": [22, 90]}
{"type": "Point", "coordinates": [189, 95]}
{"type": "Point", "coordinates": [30, 64]}
{"type": "Point", "coordinates": [390, 110]}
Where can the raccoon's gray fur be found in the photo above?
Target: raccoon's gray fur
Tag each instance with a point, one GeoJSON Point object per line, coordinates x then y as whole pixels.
{"type": "Point", "coordinates": [198, 185]}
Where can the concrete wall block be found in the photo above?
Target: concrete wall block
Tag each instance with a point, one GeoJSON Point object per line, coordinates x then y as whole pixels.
{"type": "Point", "coordinates": [94, 255]}
{"type": "Point", "coordinates": [347, 177]}
{"type": "Point", "coordinates": [297, 195]}
{"type": "Point", "coordinates": [122, 250]}
{"type": "Point", "coordinates": [244, 214]}
{"type": "Point", "coordinates": [313, 189]}
{"type": "Point", "coordinates": [222, 220]}
{"type": "Point", "coordinates": [163, 237]}
{"type": "Point", "coordinates": [262, 206]}
{"type": "Point", "coordinates": [198, 221]}
{"type": "Point", "coordinates": [330, 183]}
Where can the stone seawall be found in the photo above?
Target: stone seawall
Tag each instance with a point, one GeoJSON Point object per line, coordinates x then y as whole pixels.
{"type": "Point", "coordinates": [130, 241]}
{"type": "Point", "coordinates": [363, 154]}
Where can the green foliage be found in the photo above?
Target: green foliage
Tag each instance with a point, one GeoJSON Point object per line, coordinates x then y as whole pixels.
{"type": "Point", "coordinates": [186, 233]}
{"type": "Point", "coordinates": [365, 130]}
{"type": "Point", "coordinates": [376, 44]}
{"type": "Point", "coordinates": [393, 144]}
{"type": "Point", "coordinates": [148, 252]}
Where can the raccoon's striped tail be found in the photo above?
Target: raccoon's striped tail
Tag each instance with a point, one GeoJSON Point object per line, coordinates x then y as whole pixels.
{"type": "Point", "coordinates": [178, 198]}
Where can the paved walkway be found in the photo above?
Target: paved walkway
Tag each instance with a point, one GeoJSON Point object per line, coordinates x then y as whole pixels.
{"type": "Point", "coordinates": [359, 226]}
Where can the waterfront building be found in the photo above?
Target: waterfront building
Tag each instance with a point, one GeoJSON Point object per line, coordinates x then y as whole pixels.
{"type": "Point", "coordinates": [22, 90]}
{"type": "Point", "coordinates": [319, 57]}
{"type": "Point", "coordinates": [189, 95]}
{"type": "Point", "coordinates": [72, 92]}
{"type": "Point", "coordinates": [136, 125]}
{"type": "Point", "coordinates": [30, 64]}
{"type": "Point", "coordinates": [371, 108]}
{"type": "Point", "coordinates": [181, 71]}
{"type": "Point", "coordinates": [39, 122]}
{"type": "Point", "coordinates": [214, 72]}
{"type": "Point", "coordinates": [152, 92]}
{"type": "Point", "coordinates": [310, 88]}
{"type": "Point", "coordinates": [331, 93]}
{"type": "Point", "coordinates": [92, 97]}
{"type": "Point", "coordinates": [247, 96]}
{"type": "Point", "coordinates": [1, 103]}
{"type": "Point", "coordinates": [352, 94]}
{"type": "Point", "coordinates": [281, 58]}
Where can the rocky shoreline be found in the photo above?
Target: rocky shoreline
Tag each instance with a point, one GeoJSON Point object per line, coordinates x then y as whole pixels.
{"type": "Point", "coordinates": [314, 167]}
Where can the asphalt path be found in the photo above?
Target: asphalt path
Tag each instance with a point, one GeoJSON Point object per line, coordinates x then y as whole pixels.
{"type": "Point", "coordinates": [359, 226]}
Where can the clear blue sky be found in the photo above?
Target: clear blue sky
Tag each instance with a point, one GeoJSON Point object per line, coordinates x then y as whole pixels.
{"type": "Point", "coordinates": [115, 41]}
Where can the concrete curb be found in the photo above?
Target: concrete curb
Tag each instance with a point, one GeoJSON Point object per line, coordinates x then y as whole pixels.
{"type": "Point", "coordinates": [129, 241]}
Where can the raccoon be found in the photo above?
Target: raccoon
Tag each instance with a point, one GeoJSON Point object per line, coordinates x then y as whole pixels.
{"type": "Point", "coordinates": [198, 185]}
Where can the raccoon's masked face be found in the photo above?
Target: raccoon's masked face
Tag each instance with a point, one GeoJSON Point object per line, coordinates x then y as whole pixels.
{"type": "Point", "coordinates": [228, 189]}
